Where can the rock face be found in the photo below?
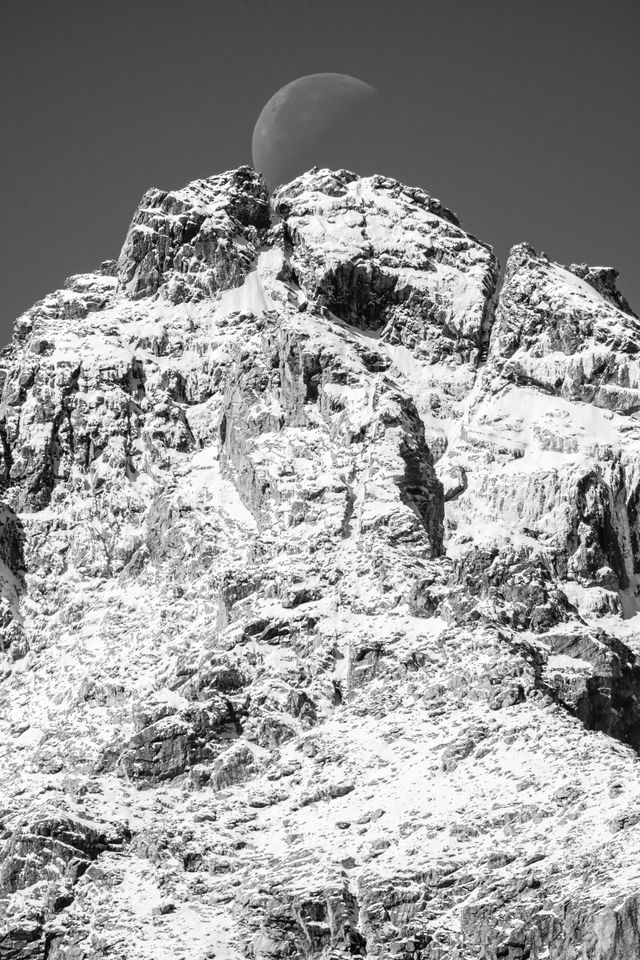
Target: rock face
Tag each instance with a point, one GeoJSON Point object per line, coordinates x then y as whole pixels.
{"type": "Point", "coordinates": [566, 335]}
{"type": "Point", "coordinates": [193, 242]}
{"type": "Point", "coordinates": [319, 566]}
{"type": "Point", "coordinates": [390, 259]}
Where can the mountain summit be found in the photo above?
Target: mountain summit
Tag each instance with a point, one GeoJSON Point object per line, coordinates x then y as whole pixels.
{"type": "Point", "coordinates": [320, 557]}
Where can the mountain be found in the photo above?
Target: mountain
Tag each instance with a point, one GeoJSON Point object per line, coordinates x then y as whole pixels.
{"type": "Point", "coordinates": [320, 560]}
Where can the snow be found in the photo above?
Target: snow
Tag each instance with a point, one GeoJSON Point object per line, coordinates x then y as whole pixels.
{"type": "Point", "coordinates": [205, 484]}
{"type": "Point", "coordinates": [561, 661]}
{"type": "Point", "coordinates": [250, 298]}
{"type": "Point", "coordinates": [418, 761]}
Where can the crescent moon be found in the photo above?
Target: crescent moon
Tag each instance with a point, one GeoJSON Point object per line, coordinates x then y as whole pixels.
{"type": "Point", "coordinates": [298, 117]}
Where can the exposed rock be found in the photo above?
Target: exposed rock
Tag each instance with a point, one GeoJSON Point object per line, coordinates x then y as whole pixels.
{"type": "Point", "coordinates": [603, 279]}
{"type": "Point", "coordinates": [233, 766]}
{"type": "Point", "coordinates": [12, 585]}
{"type": "Point", "coordinates": [23, 939]}
{"type": "Point", "coordinates": [51, 846]}
{"type": "Point", "coordinates": [195, 241]}
{"type": "Point", "coordinates": [558, 333]}
{"type": "Point", "coordinates": [322, 583]}
{"type": "Point", "coordinates": [389, 258]}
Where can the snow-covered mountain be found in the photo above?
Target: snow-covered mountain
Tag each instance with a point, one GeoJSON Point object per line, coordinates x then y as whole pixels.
{"type": "Point", "coordinates": [320, 558]}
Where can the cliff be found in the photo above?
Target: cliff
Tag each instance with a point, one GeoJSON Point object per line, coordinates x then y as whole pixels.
{"type": "Point", "coordinates": [319, 556]}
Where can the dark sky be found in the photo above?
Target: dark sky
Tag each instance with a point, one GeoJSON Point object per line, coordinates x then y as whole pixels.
{"type": "Point", "coordinates": [521, 116]}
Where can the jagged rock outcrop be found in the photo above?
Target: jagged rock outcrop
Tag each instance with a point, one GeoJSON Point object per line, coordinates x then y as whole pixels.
{"type": "Point", "coordinates": [195, 241]}
{"type": "Point", "coordinates": [550, 430]}
{"type": "Point", "coordinates": [566, 333]}
{"type": "Point", "coordinates": [49, 854]}
{"type": "Point", "coordinates": [319, 565]}
{"type": "Point", "coordinates": [391, 259]}
{"type": "Point", "coordinates": [12, 569]}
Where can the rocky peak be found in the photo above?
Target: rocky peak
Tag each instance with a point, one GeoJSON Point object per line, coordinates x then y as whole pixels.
{"type": "Point", "coordinates": [319, 563]}
{"type": "Point", "coordinates": [195, 241]}
{"type": "Point", "coordinates": [603, 279]}
{"type": "Point", "coordinates": [559, 331]}
{"type": "Point", "coordinates": [390, 259]}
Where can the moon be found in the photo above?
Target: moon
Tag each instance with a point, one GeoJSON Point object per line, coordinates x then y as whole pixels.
{"type": "Point", "coordinates": [299, 119]}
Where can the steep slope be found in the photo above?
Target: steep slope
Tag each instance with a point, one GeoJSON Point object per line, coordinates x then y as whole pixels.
{"type": "Point", "coordinates": [318, 574]}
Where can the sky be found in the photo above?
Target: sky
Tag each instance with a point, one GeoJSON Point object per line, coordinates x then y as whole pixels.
{"type": "Point", "coordinates": [522, 117]}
